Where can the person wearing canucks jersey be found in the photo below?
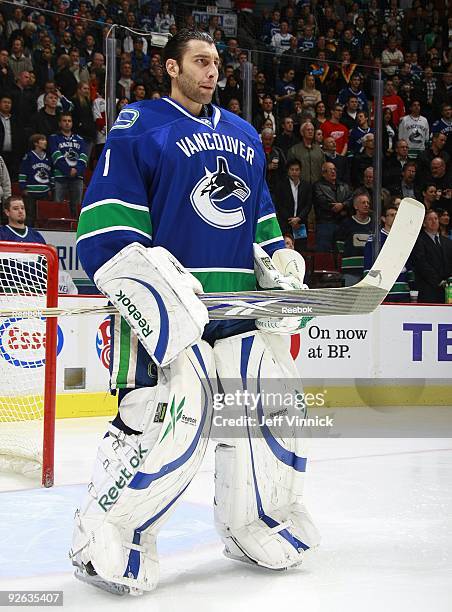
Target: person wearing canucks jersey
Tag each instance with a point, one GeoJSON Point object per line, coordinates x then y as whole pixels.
{"type": "Point", "coordinates": [178, 205]}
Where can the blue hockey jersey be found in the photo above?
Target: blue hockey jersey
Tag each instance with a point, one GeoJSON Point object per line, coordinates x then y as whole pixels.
{"type": "Point", "coordinates": [67, 152]}
{"type": "Point", "coordinates": [35, 174]}
{"type": "Point", "coordinates": [193, 185]}
{"type": "Point", "coordinates": [10, 234]}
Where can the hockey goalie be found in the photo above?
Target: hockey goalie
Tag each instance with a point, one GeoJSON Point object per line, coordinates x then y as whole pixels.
{"type": "Point", "coordinates": [178, 205]}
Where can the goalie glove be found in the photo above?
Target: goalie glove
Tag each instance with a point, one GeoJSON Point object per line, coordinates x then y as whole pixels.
{"type": "Point", "coordinates": [285, 270]}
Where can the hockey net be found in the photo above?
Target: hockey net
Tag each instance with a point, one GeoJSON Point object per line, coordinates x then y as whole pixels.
{"type": "Point", "coordinates": [28, 347]}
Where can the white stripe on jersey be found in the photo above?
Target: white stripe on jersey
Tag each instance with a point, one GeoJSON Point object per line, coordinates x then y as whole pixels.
{"type": "Point", "coordinates": [244, 270]}
{"type": "Point", "coordinates": [113, 201]}
{"type": "Point", "coordinates": [113, 228]}
{"type": "Point", "coordinates": [265, 217]}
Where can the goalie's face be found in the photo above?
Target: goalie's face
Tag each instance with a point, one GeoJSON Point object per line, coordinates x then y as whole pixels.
{"type": "Point", "coordinates": [193, 81]}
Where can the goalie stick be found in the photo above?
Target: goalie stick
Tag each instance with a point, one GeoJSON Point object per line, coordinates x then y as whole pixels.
{"type": "Point", "coordinates": [362, 298]}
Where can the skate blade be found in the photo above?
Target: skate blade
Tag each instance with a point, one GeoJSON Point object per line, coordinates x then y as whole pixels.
{"type": "Point", "coordinates": [248, 560]}
{"type": "Point", "coordinates": [111, 587]}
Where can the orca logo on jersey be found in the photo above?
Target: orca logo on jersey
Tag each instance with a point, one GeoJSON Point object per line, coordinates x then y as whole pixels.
{"type": "Point", "coordinates": [216, 187]}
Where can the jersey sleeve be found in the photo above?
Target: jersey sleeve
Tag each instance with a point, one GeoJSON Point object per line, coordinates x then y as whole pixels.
{"type": "Point", "coordinates": [23, 173]}
{"type": "Point", "coordinates": [368, 255]}
{"type": "Point", "coordinates": [82, 161]}
{"type": "Point", "coordinates": [268, 233]}
{"type": "Point", "coordinates": [36, 236]}
{"type": "Point", "coordinates": [115, 209]}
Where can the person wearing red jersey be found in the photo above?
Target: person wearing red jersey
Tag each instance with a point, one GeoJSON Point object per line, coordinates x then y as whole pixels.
{"type": "Point", "coordinates": [333, 127]}
{"type": "Point", "coordinates": [394, 102]}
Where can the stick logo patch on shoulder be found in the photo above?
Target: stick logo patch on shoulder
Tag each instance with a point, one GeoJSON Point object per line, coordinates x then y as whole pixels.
{"type": "Point", "coordinates": [126, 118]}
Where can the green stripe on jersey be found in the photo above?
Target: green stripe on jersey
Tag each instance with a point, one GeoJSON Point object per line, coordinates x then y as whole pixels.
{"type": "Point", "coordinates": [113, 214]}
{"type": "Point", "coordinates": [226, 281]}
{"type": "Point", "coordinates": [354, 262]}
{"type": "Point", "coordinates": [400, 287]}
{"type": "Point", "coordinates": [37, 188]}
{"type": "Point", "coordinates": [267, 230]}
{"type": "Point", "coordinates": [124, 354]}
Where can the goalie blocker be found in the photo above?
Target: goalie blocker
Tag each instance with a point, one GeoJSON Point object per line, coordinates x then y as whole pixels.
{"type": "Point", "coordinates": [157, 297]}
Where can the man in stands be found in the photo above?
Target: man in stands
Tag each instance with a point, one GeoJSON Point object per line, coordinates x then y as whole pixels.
{"type": "Point", "coordinates": [415, 130]}
{"type": "Point", "coordinates": [331, 203]}
{"type": "Point", "coordinates": [333, 127]}
{"type": "Point", "coordinates": [352, 236]}
{"type": "Point", "coordinates": [349, 116]}
{"type": "Point", "coordinates": [308, 153]}
{"type": "Point", "coordinates": [358, 133]}
{"type": "Point", "coordinates": [16, 230]}
{"type": "Point", "coordinates": [400, 292]}
{"type": "Point", "coordinates": [363, 160]}
{"type": "Point", "coordinates": [287, 138]}
{"type": "Point", "coordinates": [354, 90]}
{"type": "Point", "coordinates": [393, 166]}
{"type": "Point", "coordinates": [432, 256]}
{"type": "Point", "coordinates": [293, 202]}
{"type": "Point", "coordinates": [424, 160]}
{"type": "Point", "coordinates": [68, 151]}
{"type": "Point", "coordinates": [444, 125]}
{"type": "Point", "coordinates": [342, 163]}
{"type": "Point", "coordinates": [394, 102]}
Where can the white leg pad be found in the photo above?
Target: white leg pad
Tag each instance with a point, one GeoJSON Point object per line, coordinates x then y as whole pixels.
{"type": "Point", "coordinates": [138, 479]}
{"type": "Point", "coordinates": [259, 476]}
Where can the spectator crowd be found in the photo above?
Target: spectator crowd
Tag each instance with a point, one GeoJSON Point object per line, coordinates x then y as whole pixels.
{"type": "Point", "coordinates": [313, 68]}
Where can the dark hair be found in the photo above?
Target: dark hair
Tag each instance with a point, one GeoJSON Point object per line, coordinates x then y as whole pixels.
{"type": "Point", "coordinates": [35, 137]}
{"type": "Point", "coordinates": [361, 191]}
{"type": "Point", "coordinates": [293, 162]}
{"type": "Point", "coordinates": [391, 206]}
{"type": "Point", "coordinates": [12, 198]}
{"type": "Point", "coordinates": [430, 211]}
{"type": "Point", "coordinates": [176, 46]}
{"type": "Point", "coordinates": [50, 93]}
{"type": "Point", "coordinates": [410, 163]}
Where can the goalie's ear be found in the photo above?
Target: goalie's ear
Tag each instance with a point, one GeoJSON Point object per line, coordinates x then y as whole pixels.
{"type": "Point", "coordinates": [289, 263]}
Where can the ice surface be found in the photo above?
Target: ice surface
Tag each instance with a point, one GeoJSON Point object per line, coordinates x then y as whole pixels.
{"type": "Point", "coordinates": [383, 506]}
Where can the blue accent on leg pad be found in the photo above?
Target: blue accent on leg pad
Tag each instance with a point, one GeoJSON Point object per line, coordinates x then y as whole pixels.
{"type": "Point", "coordinates": [280, 452]}
{"type": "Point", "coordinates": [133, 565]}
{"type": "Point", "coordinates": [288, 457]}
{"type": "Point", "coordinates": [143, 480]}
{"type": "Point", "coordinates": [162, 342]}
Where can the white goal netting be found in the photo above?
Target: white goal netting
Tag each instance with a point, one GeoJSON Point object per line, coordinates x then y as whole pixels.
{"type": "Point", "coordinates": [23, 284]}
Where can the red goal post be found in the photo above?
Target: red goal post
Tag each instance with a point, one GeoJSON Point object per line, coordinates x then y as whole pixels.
{"type": "Point", "coordinates": [28, 352]}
